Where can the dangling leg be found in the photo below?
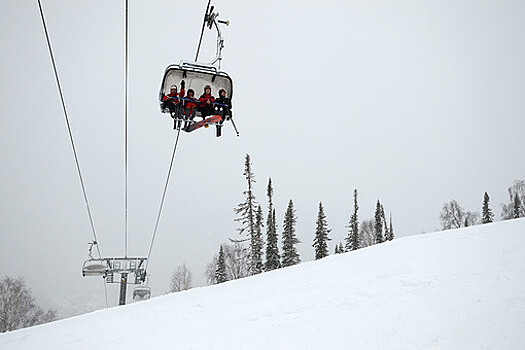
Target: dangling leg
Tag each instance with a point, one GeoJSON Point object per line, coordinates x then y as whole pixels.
{"type": "Point", "coordinates": [186, 118]}
{"type": "Point", "coordinates": [220, 112]}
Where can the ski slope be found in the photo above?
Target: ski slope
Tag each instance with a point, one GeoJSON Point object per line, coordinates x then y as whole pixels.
{"type": "Point", "coordinates": [459, 289]}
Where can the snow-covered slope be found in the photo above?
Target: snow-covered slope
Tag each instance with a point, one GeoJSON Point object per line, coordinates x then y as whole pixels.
{"type": "Point", "coordinates": [461, 289]}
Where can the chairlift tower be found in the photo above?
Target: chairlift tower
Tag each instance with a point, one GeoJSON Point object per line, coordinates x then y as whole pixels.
{"type": "Point", "coordinates": [132, 270]}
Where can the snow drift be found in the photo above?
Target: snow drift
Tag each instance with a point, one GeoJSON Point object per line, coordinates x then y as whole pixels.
{"type": "Point", "coordinates": [459, 289]}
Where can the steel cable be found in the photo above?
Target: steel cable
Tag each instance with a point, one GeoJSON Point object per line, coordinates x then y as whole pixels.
{"type": "Point", "coordinates": [86, 201]}
{"type": "Point", "coordinates": [162, 200]}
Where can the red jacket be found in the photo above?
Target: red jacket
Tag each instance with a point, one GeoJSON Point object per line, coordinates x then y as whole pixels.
{"type": "Point", "coordinates": [203, 100]}
{"type": "Point", "coordinates": [190, 103]}
{"type": "Point", "coordinates": [174, 96]}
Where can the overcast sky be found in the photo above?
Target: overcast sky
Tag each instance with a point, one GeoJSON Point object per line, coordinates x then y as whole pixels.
{"type": "Point", "coordinates": [411, 102]}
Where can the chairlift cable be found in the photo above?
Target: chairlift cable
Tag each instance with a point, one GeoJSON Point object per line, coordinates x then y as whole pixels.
{"type": "Point", "coordinates": [126, 134]}
{"type": "Point", "coordinates": [202, 30]}
{"type": "Point", "coordinates": [86, 201]}
{"type": "Point", "coordinates": [162, 200]}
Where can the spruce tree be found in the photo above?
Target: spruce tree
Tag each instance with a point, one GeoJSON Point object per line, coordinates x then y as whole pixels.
{"type": "Point", "coordinates": [273, 259]}
{"type": "Point", "coordinates": [321, 235]}
{"type": "Point", "coordinates": [341, 249]}
{"type": "Point", "coordinates": [378, 225]}
{"type": "Point", "coordinates": [390, 235]}
{"type": "Point", "coordinates": [256, 254]}
{"type": "Point", "coordinates": [385, 226]}
{"type": "Point", "coordinates": [220, 272]}
{"type": "Point", "coordinates": [352, 240]}
{"type": "Point", "coordinates": [247, 212]}
{"type": "Point", "coordinates": [336, 249]}
{"type": "Point", "coordinates": [487, 215]}
{"type": "Point", "coordinates": [290, 254]}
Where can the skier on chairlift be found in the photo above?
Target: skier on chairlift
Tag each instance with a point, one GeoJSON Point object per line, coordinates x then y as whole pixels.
{"type": "Point", "coordinates": [190, 107]}
{"type": "Point", "coordinates": [174, 103]}
{"type": "Point", "coordinates": [206, 103]}
{"type": "Point", "coordinates": [223, 108]}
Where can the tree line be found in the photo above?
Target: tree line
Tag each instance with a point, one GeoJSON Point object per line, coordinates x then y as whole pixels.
{"type": "Point", "coordinates": [453, 215]}
{"type": "Point", "coordinates": [257, 248]}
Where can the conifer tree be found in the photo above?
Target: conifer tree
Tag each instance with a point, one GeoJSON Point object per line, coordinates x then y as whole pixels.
{"type": "Point", "coordinates": [321, 235]}
{"type": "Point", "coordinates": [273, 259]}
{"type": "Point", "coordinates": [487, 215]}
{"type": "Point", "coordinates": [378, 225]}
{"type": "Point", "coordinates": [336, 249]}
{"type": "Point", "coordinates": [390, 235]}
{"type": "Point", "coordinates": [341, 249]}
{"type": "Point", "coordinates": [290, 254]}
{"type": "Point", "coordinates": [385, 226]}
{"type": "Point", "coordinates": [220, 272]}
{"type": "Point", "coordinates": [247, 211]}
{"type": "Point", "coordinates": [352, 240]}
{"type": "Point", "coordinates": [256, 254]}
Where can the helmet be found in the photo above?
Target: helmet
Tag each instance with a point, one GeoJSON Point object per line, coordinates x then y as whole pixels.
{"type": "Point", "coordinates": [190, 91]}
{"type": "Point", "coordinates": [221, 91]}
{"type": "Point", "coordinates": [173, 87]}
{"type": "Point", "coordinates": [207, 87]}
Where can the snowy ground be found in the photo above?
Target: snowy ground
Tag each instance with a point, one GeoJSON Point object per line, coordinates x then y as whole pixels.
{"type": "Point", "coordinates": [461, 289]}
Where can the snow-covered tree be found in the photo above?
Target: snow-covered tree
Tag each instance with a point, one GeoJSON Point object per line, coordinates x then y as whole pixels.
{"type": "Point", "coordinates": [237, 259]}
{"type": "Point", "coordinates": [487, 215]}
{"type": "Point", "coordinates": [366, 233]}
{"type": "Point", "coordinates": [181, 279]}
{"type": "Point", "coordinates": [454, 216]}
{"type": "Point", "coordinates": [220, 272]}
{"type": "Point", "coordinates": [378, 226]}
{"type": "Point", "coordinates": [516, 206]}
{"type": "Point", "coordinates": [247, 211]}
{"type": "Point", "coordinates": [290, 254]}
{"type": "Point", "coordinates": [256, 244]}
{"type": "Point", "coordinates": [236, 262]}
{"type": "Point", "coordinates": [273, 259]}
{"type": "Point", "coordinates": [390, 235]}
{"type": "Point", "coordinates": [18, 308]}
{"type": "Point", "coordinates": [352, 239]}
{"type": "Point", "coordinates": [321, 235]}
{"type": "Point", "coordinates": [211, 268]}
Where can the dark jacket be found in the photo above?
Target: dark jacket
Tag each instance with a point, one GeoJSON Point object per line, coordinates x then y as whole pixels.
{"type": "Point", "coordinates": [224, 101]}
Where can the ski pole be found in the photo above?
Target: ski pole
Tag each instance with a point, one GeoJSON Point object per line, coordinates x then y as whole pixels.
{"type": "Point", "coordinates": [234, 126]}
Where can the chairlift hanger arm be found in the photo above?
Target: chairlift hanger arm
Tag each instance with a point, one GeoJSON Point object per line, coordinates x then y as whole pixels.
{"type": "Point", "coordinates": [211, 19]}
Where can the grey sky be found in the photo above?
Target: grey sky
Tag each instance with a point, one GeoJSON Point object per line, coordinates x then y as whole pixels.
{"type": "Point", "coordinates": [410, 102]}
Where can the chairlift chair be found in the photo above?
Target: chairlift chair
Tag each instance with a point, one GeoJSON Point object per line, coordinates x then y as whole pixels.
{"type": "Point", "coordinates": [196, 77]}
{"type": "Point", "coordinates": [94, 267]}
{"type": "Point", "coordinates": [141, 293]}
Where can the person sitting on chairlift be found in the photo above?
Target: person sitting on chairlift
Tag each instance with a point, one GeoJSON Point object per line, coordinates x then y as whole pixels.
{"type": "Point", "coordinates": [223, 107]}
{"type": "Point", "coordinates": [190, 108]}
{"type": "Point", "coordinates": [174, 103]}
{"type": "Point", "coordinates": [206, 103]}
